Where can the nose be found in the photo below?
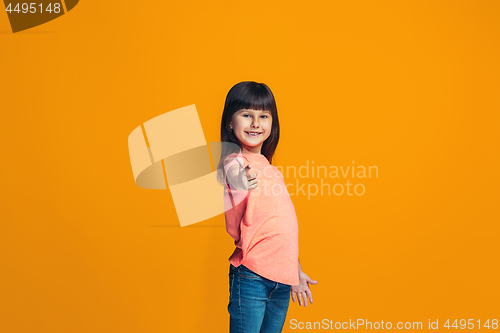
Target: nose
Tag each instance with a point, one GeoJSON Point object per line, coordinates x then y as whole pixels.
{"type": "Point", "coordinates": [255, 123]}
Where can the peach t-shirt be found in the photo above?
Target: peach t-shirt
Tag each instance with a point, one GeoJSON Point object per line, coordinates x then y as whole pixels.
{"type": "Point", "coordinates": [263, 222]}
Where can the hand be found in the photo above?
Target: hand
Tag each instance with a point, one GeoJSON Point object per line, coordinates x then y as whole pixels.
{"type": "Point", "coordinates": [302, 290]}
{"type": "Point", "coordinates": [247, 179]}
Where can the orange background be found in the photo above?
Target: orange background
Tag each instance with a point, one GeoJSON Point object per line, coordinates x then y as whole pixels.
{"type": "Point", "coordinates": [409, 87]}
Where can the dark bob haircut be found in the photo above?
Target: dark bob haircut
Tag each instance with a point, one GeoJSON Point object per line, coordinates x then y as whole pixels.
{"type": "Point", "coordinates": [254, 96]}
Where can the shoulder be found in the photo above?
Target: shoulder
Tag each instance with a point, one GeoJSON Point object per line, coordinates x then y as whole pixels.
{"type": "Point", "coordinates": [234, 159]}
{"type": "Point", "coordinates": [231, 157]}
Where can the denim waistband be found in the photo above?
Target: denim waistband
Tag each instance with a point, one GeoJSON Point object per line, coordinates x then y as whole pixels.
{"type": "Point", "coordinates": [242, 268]}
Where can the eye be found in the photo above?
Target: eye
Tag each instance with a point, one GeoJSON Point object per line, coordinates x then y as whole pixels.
{"type": "Point", "coordinates": [245, 115]}
{"type": "Point", "coordinates": [265, 116]}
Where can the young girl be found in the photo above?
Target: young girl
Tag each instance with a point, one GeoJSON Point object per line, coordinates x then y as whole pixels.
{"type": "Point", "coordinates": [264, 267]}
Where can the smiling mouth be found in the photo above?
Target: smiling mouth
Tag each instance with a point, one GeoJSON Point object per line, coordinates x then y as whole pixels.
{"type": "Point", "coordinates": [253, 134]}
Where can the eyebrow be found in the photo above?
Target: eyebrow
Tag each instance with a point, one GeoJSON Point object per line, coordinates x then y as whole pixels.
{"type": "Point", "coordinates": [247, 110]}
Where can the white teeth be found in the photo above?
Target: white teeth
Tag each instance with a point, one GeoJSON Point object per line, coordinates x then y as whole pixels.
{"type": "Point", "coordinates": [253, 134]}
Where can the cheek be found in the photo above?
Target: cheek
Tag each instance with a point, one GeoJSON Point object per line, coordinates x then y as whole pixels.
{"type": "Point", "coordinates": [241, 123]}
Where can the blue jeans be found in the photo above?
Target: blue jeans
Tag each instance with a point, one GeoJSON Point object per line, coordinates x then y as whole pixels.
{"type": "Point", "coordinates": [256, 304]}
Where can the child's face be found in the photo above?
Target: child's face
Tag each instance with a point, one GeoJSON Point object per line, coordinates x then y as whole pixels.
{"type": "Point", "coordinates": [245, 121]}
